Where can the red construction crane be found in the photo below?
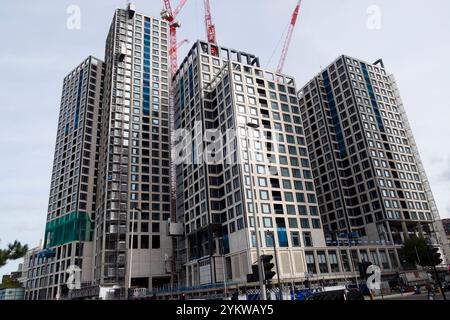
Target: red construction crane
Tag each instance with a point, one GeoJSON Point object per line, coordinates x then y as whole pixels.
{"type": "Point", "coordinates": [170, 16]}
{"type": "Point", "coordinates": [289, 37]}
{"type": "Point", "coordinates": [210, 28]}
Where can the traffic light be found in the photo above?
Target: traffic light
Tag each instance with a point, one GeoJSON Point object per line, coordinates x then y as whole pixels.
{"type": "Point", "coordinates": [267, 267]}
{"type": "Point", "coordinates": [436, 257]}
{"type": "Point", "coordinates": [254, 276]}
{"type": "Point", "coordinates": [64, 290]}
{"type": "Point", "coordinates": [362, 267]}
{"type": "Point", "coordinates": [307, 284]}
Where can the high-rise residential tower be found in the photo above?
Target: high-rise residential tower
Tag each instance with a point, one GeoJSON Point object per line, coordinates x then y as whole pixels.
{"type": "Point", "coordinates": [71, 209]}
{"type": "Point", "coordinates": [133, 200]}
{"type": "Point", "coordinates": [223, 104]}
{"type": "Point", "coordinates": [369, 178]}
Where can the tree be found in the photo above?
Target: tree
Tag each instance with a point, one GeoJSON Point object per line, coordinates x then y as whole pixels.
{"type": "Point", "coordinates": [14, 251]}
{"type": "Point", "coordinates": [9, 283]}
{"type": "Point", "coordinates": [418, 252]}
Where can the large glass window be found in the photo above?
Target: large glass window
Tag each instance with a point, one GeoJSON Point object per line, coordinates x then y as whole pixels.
{"type": "Point", "coordinates": [282, 234]}
{"type": "Point", "coordinates": [295, 239]}
{"type": "Point", "coordinates": [322, 259]}
{"type": "Point", "coordinates": [269, 239]}
{"type": "Point", "coordinates": [310, 262]}
{"type": "Point", "coordinates": [307, 239]}
{"type": "Point", "coordinates": [333, 261]}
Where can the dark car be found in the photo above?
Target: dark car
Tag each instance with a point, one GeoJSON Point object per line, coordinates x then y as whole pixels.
{"type": "Point", "coordinates": [337, 295]}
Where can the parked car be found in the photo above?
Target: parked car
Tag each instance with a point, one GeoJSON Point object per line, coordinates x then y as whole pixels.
{"type": "Point", "coordinates": [337, 295]}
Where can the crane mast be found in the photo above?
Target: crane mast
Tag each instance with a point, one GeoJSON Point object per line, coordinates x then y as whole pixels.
{"type": "Point", "coordinates": [170, 16]}
{"type": "Point", "coordinates": [210, 28]}
{"type": "Point", "coordinates": [289, 37]}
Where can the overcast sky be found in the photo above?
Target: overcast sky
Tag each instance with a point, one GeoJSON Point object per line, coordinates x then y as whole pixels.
{"type": "Point", "coordinates": [37, 50]}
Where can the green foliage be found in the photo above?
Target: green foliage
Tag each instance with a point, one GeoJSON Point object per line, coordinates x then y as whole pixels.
{"type": "Point", "coordinates": [14, 251]}
{"type": "Point", "coordinates": [3, 257]}
{"type": "Point", "coordinates": [17, 250]}
{"type": "Point", "coordinates": [418, 252]}
{"type": "Point", "coordinates": [9, 283]}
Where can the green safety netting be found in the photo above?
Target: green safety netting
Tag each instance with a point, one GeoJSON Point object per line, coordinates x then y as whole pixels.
{"type": "Point", "coordinates": [74, 226]}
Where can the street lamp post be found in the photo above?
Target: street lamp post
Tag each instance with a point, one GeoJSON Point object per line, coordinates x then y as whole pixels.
{"type": "Point", "coordinates": [131, 247]}
{"type": "Point", "coordinates": [262, 286]}
{"type": "Point", "coordinates": [224, 271]}
{"type": "Point", "coordinates": [280, 287]}
{"type": "Point", "coordinates": [351, 259]}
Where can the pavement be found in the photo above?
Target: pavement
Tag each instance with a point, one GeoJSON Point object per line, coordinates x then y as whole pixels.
{"type": "Point", "coordinates": [411, 296]}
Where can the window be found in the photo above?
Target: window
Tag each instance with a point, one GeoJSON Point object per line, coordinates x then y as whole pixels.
{"type": "Point", "coordinates": [310, 262]}
{"type": "Point", "coordinates": [304, 223]}
{"type": "Point", "coordinates": [262, 182]}
{"type": "Point", "coordinates": [281, 231]}
{"type": "Point", "coordinates": [268, 222]}
{"type": "Point", "coordinates": [269, 239]}
{"type": "Point", "coordinates": [295, 239]}
{"type": "Point", "coordinates": [290, 209]}
{"type": "Point", "coordinates": [264, 195]}
{"type": "Point", "coordinates": [293, 223]}
{"type": "Point", "coordinates": [307, 239]}
{"type": "Point", "coordinates": [302, 210]}
{"type": "Point", "coordinates": [316, 223]}
{"type": "Point", "coordinates": [322, 259]}
{"type": "Point", "coordinates": [253, 239]}
{"type": "Point", "coordinates": [288, 197]}
{"type": "Point", "coordinates": [265, 208]}
{"type": "Point", "coordinates": [384, 259]}
{"type": "Point", "coordinates": [156, 242]}
{"type": "Point", "coordinates": [333, 261]}
{"type": "Point", "coordinates": [145, 242]}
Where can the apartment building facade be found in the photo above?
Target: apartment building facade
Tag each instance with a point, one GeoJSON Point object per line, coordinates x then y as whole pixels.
{"type": "Point", "coordinates": [370, 181]}
{"type": "Point", "coordinates": [68, 240]}
{"type": "Point", "coordinates": [221, 95]}
{"type": "Point", "coordinates": [133, 205]}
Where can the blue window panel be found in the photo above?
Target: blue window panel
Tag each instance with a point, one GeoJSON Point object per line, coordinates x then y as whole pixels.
{"type": "Point", "coordinates": [334, 115]}
{"type": "Point", "coordinates": [77, 110]}
{"type": "Point", "coordinates": [282, 234]}
{"type": "Point", "coordinates": [146, 108]}
{"type": "Point", "coordinates": [191, 82]}
{"type": "Point", "coordinates": [226, 244]}
{"type": "Point", "coordinates": [181, 94]}
{"type": "Point", "coordinates": [146, 75]}
{"type": "Point", "coordinates": [66, 129]}
{"type": "Point", "coordinates": [373, 100]}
